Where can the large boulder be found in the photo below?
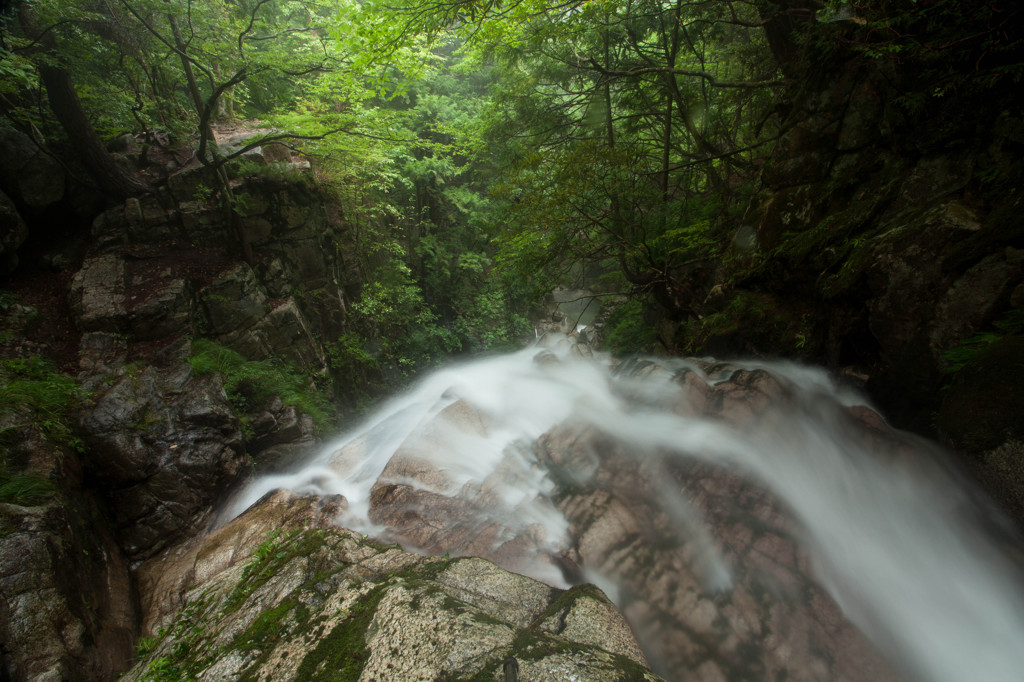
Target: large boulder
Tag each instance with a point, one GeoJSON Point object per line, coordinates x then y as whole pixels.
{"type": "Point", "coordinates": [13, 232]}
{"type": "Point", "coordinates": [97, 294]}
{"type": "Point", "coordinates": [280, 594]}
{"type": "Point", "coordinates": [982, 415]}
{"type": "Point", "coordinates": [234, 302]}
{"type": "Point", "coordinates": [27, 172]}
{"type": "Point", "coordinates": [279, 436]}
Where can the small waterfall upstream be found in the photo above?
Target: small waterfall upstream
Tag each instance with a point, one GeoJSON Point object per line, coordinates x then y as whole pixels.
{"type": "Point", "coordinates": [746, 476]}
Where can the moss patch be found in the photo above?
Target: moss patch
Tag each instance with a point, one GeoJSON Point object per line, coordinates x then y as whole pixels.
{"type": "Point", "coordinates": [269, 558]}
{"type": "Point", "coordinates": [340, 655]}
{"type": "Point", "coordinates": [250, 384]}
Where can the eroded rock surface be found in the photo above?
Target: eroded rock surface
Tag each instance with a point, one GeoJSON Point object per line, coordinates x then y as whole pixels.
{"type": "Point", "coordinates": [165, 445]}
{"type": "Point", "coordinates": [281, 594]}
{"type": "Point", "coordinates": [717, 587]}
{"type": "Point", "coordinates": [66, 602]}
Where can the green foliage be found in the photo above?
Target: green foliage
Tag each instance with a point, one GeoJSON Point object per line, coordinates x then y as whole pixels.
{"type": "Point", "coordinates": [943, 48]}
{"type": "Point", "coordinates": [276, 172]}
{"type": "Point", "coordinates": [146, 646]}
{"type": "Point", "coordinates": [164, 669]}
{"type": "Point", "coordinates": [250, 384]}
{"type": "Point", "coordinates": [268, 558]}
{"type": "Point", "coordinates": [626, 331]}
{"type": "Point", "coordinates": [24, 490]}
{"type": "Point", "coordinates": [33, 392]}
{"type": "Point", "coordinates": [202, 193]}
{"type": "Point", "coordinates": [960, 356]}
{"type": "Point", "coordinates": [489, 322]}
{"type": "Point", "coordinates": [343, 650]}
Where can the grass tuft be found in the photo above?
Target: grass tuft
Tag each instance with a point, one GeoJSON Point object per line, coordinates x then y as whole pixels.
{"type": "Point", "coordinates": [250, 384]}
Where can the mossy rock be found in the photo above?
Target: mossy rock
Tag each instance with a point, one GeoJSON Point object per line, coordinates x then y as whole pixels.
{"type": "Point", "coordinates": [310, 601]}
{"type": "Point", "coordinates": [752, 322]}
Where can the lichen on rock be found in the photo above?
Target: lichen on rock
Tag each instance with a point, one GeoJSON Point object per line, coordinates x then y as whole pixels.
{"type": "Point", "coordinates": [281, 594]}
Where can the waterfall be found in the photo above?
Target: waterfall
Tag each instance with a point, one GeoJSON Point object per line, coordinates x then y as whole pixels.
{"type": "Point", "coordinates": [498, 456]}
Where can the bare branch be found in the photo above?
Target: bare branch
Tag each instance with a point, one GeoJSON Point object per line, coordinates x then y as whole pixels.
{"type": "Point", "coordinates": [711, 80]}
{"type": "Point", "coordinates": [174, 48]}
{"type": "Point", "coordinates": [252, 22]}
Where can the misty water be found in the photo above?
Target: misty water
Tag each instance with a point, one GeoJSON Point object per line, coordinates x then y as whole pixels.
{"type": "Point", "coordinates": [909, 553]}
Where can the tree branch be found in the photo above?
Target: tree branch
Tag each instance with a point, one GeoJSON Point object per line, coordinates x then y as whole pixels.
{"type": "Point", "coordinates": [714, 82]}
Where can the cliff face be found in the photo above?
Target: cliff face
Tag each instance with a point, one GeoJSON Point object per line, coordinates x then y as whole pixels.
{"type": "Point", "coordinates": [149, 440]}
{"type": "Point", "coordinates": [885, 239]}
{"type": "Point", "coordinates": [195, 370]}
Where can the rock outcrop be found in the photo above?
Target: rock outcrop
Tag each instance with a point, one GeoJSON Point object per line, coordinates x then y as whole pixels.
{"type": "Point", "coordinates": [282, 594]}
{"type": "Point", "coordinates": [885, 235]}
{"type": "Point", "coordinates": [165, 446]}
{"type": "Point", "coordinates": [157, 445]}
{"type": "Point", "coordinates": [67, 607]}
{"type": "Point", "coordinates": [660, 529]}
{"type": "Point", "coordinates": [165, 443]}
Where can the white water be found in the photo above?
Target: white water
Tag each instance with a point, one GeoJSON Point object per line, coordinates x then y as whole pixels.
{"type": "Point", "coordinates": [897, 542]}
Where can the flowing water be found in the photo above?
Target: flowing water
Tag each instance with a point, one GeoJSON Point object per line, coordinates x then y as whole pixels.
{"type": "Point", "coordinates": [901, 545]}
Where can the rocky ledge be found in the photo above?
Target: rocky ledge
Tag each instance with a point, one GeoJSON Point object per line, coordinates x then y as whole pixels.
{"type": "Point", "coordinates": [282, 594]}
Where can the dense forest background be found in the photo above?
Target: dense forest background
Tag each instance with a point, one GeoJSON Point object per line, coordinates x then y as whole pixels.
{"type": "Point", "coordinates": [715, 171]}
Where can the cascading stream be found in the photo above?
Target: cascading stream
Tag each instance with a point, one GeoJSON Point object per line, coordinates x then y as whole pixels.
{"type": "Point", "coordinates": [467, 462]}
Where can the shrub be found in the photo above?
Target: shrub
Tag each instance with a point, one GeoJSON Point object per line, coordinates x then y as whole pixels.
{"type": "Point", "coordinates": [32, 391]}
{"type": "Point", "coordinates": [627, 331]}
{"type": "Point", "coordinates": [250, 384]}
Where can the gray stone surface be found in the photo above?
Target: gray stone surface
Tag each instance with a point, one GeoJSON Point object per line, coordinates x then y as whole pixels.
{"type": "Point", "coordinates": [280, 594]}
{"type": "Point", "coordinates": [166, 446]}
{"type": "Point", "coordinates": [97, 294]}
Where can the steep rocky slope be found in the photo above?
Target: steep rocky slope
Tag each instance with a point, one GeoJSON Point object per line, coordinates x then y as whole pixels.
{"type": "Point", "coordinates": [885, 238]}
{"type": "Point", "coordinates": [171, 338]}
{"type": "Point", "coordinates": [281, 593]}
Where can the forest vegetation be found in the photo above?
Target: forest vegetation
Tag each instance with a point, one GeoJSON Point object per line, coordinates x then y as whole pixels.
{"type": "Point", "coordinates": [483, 152]}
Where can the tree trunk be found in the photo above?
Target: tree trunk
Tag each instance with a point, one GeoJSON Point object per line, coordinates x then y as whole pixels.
{"type": "Point", "coordinates": [112, 178]}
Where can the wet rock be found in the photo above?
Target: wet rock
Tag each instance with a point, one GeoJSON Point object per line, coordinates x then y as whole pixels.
{"type": "Point", "coordinates": [907, 268]}
{"type": "Point", "coordinates": [66, 608]}
{"type": "Point", "coordinates": [165, 446]}
{"type": "Point", "coordinates": [29, 173]}
{"type": "Point", "coordinates": [234, 302]}
{"type": "Point", "coordinates": [97, 295]}
{"type": "Point", "coordinates": [285, 334]}
{"type": "Point", "coordinates": [147, 220]}
{"type": "Point", "coordinates": [280, 435]}
{"type": "Point", "coordinates": [191, 183]}
{"type": "Point", "coordinates": [164, 312]}
{"type": "Point", "coordinates": [124, 144]}
{"type": "Point", "coordinates": [715, 585]}
{"type": "Point", "coordinates": [279, 594]}
{"type": "Point", "coordinates": [982, 415]}
{"type": "Point", "coordinates": [971, 301]}
{"type": "Point", "coordinates": [435, 509]}
{"type": "Point", "coordinates": [984, 405]}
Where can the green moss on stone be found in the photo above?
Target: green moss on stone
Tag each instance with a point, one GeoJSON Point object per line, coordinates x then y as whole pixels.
{"type": "Point", "coordinates": [340, 655]}
{"type": "Point", "coordinates": [268, 626]}
{"type": "Point", "coordinates": [566, 599]}
{"type": "Point", "coordinates": [269, 558]}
